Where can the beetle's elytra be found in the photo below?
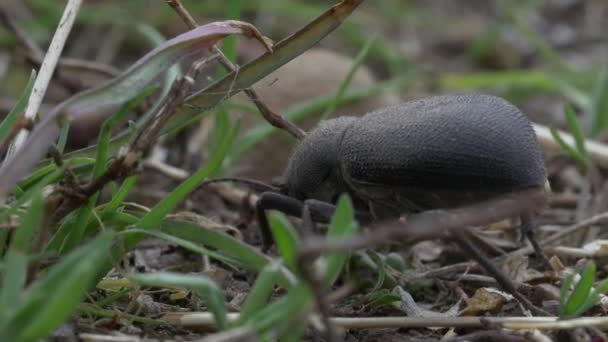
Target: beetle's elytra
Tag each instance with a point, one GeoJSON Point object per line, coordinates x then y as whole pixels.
{"type": "Point", "coordinates": [436, 152]}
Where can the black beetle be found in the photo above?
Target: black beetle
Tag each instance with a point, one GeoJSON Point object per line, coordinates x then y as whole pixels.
{"type": "Point", "coordinates": [438, 152]}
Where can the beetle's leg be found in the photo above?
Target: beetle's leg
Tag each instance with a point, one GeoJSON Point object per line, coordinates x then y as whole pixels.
{"type": "Point", "coordinates": [274, 201]}
{"type": "Point", "coordinates": [503, 280]}
{"type": "Point", "coordinates": [320, 212]}
{"type": "Point", "coordinates": [527, 232]}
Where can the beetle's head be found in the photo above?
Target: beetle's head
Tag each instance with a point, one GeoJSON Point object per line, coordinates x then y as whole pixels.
{"type": "Point", "coordinates": [313, 169]}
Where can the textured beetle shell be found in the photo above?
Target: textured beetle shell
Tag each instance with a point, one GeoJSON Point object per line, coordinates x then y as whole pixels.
{"type": "Point", "coordinates": [434, 152]}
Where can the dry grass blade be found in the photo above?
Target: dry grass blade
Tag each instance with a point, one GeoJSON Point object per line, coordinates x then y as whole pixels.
{"type": "Point", "coordinates": [47, 69]}
{"type": "Point", "coordinates": [270, 116]}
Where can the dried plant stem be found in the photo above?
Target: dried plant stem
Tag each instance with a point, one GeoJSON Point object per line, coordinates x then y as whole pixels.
{"type": "Point", "coordinates": [272, 117]}
{"type": "Point", "coordinates": [47, 69]}
{"type": "Point", "coordinates": [205, 320]}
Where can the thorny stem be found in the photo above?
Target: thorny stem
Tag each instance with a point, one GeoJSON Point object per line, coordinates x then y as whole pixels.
{"type": "Point", "coordinates": [272, 117]}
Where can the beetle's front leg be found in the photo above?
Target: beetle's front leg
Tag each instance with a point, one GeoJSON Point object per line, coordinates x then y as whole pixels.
{"type": "Point", "coordinates": [527, 232]}
{"type": "Point", "coordinates": [319, 211]}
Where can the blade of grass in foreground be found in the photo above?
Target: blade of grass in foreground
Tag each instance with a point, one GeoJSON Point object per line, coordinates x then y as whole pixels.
{"type": "Point", "coordinates": [11, 118]}
{"type": "Point", "coordinates": [55, 296]}
{"type": "Point", "coordinates": [202, 286]}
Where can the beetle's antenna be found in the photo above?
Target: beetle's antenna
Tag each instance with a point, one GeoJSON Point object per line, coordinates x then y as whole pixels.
{"type": "Point", "coordinates": [253, 183]}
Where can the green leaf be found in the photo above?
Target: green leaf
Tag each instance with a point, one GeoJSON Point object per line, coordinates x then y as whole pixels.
{"type": "Point", "coordinates": [285, 238]}
{"type": "Point", "coordinates": [184, 244]}
{"type": "Point", "coordinates": [574, 154]}
{"type": "Point", "coordinates": [259, 294]}
{"type": "Point", "coordinates": [54, 297]}
{"type": "Point", "coordinates": [9, 120]}
{"type": "Point", "coordinates": [202, 286]}
{"type": "Point", "coordinates": [342, 225]}
{"type": "Point", "coordinates": [582, 289]}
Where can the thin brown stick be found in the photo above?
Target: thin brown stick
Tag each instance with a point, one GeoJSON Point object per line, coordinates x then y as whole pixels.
{"type": "Point", "coordinates": [272, 117]}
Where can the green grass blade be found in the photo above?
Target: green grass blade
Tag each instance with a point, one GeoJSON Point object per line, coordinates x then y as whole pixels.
{"type": "Point", "coordinates": [600, 103]}
{"type": "Point", "coordinates": [30, 193]}
{"type": "Point", "coordinates": [103, 140]}
{"type": "Point", "coordinates": [250, 257]}
{"type": "Point", "coordinates": [581, 290]}
{"type": "Point", "coordinates": [359, 59]}
{"type": "Point", "coordinates": [121, 194]}
{"type": "Point", "coordinates": [202, 286]}
{"type": "Point", "coordinates": [53, 298]}
{"type": "Point", "coordinates": [31, 220]}
{"type": "Point", "coordinates": [154, 217]}
{"type": "Point", "coordinates": [233, 12]}
{"type": "Point", "coordinates": [13, 281]}
{"type": "Point", "coordinates": [298, 300]}
{"type": "Point", "coordinates": [185, 244]}
{"type": "Point", "coordinates": [285, 238]}
{"type": "Point", "coordinates": [9, 120]}
{"type": "Point", "coordinates": [63, 136]}
{"type": "Point", "coordinates": [593, 298]}
{"type": "Point", "coordinates": [563, 295]}
{"type": "Point", "coordinates": [574, 154]}
{"type": "Point", "coordinates": [342, 225]}
{"type": "Point", "coordinates": [259, 294]}
{"type": "Point", "coordinates": [576, 131]}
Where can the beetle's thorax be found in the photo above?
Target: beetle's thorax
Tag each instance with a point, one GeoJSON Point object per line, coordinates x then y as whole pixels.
{"type": "Point", "coordinates": [313, 170]}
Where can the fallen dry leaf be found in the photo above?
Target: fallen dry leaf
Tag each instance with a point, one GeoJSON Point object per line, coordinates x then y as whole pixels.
{"type": "Point", "coordinates": [484, 300]}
